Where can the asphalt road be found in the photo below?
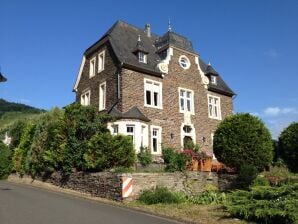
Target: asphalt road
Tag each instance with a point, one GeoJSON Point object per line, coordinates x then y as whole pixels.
{"type": "Point", "coordinates": [21, 204]}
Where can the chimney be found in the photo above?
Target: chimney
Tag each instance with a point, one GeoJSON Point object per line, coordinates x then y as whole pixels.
{"type": "Point", "coordinates": [148, 30]}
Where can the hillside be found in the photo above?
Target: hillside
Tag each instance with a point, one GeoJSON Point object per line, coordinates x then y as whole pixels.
{"type": "Point", "coordinates": [6, 106]}
{"type": "Point", "coordinates": [10, 112]}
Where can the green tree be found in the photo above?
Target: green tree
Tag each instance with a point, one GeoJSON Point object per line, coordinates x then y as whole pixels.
{"type": "Point", "coordinates": [243, 139]}
{"type": "Point", "coordinates": [288, 144]}
{"type": "Point", "coordinates": [80, 123]}
{"type": "Point", "coordinates": [105, 151]}
{"type": "Point", "coordinates": [5, 160]}
{"type": "Point", "coordinates": [47, 145]}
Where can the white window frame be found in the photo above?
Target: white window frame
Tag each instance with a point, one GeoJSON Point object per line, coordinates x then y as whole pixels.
{"type": "Point", "coordinates": [185, 99]}
{"type": "Point", "coordinates": [158, 137]}
{"type": "Point", "coordinates": [101, 61]}
{"type": "Point", "coordinates": [184, 62]}
{"type": "Point", "coordinates": [92, 66]}
{"type": "Point", "coordinates": [213, 107]}
{"type": "Point", "coordinates": [151, 86]}
{"type": "Point", "coordinates": [102, 96]}
{"type": "Point", "coordinates": [138, 141]}
{"type": "Point", "coordinates": [85, 98]}
{"type": "Point", "coordinates": [114, 128]}
{"type": "Point", "coordinates": [213, 79]}
{"type": "Point", "coordinates": [133, 134]}
{"type": "Point", "coordinates": [142, 57]}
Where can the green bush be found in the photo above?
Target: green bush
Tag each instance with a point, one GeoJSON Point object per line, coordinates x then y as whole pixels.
{"type": "Point", "coordinates": [288, 144]}
{"type": "Point", "coordinates": [15, 132]}
{"type": "Point", "coordinates": [208, 198]}
{"type": "Point", "coordinates": [265, 204]}
{"type": "Point", "coordinates": [46, 152]}
{"type": "Point", "coordinates": [22, 153]}
{"type": "Point", "coordinates": [161, 195]}
{"type": "Point", "coordinates": [80, 123]}
{"type": "Point", "coordinates": [105, 151]}
{"type": "Point", "coordinates": [5, 161]}
{"type": "Point", "coordinates": [174, 161]}
{"type": "Point", "coordinates": [260, 181]}
{"type": "Point", "coordinates": [243, 139]}
{"type": "Point", "coordinates": [246, 175]}
{"type": "Point", "coordinates": [144, 156]}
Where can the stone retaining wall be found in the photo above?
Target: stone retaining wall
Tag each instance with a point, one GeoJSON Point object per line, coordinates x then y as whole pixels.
{"type": "Point", "coordinates": [109, 185]}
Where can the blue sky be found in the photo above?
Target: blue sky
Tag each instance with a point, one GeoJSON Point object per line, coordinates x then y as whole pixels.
{"type": "Point", "coordinates": [253, 44]}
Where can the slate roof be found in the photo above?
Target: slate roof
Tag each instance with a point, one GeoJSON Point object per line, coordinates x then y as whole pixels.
{"type": "Point", "coordinates": [132, 113]}
{"type": "Point", "coordinates": [123, 38]}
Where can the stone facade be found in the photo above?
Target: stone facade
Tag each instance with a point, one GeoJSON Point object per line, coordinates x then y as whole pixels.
{"type": "Point", "coordinates": [169, 117]}
{"type": "Point", "coordinates": [108, 75]}
{"type": "Point", "coordinates": [125, 90]}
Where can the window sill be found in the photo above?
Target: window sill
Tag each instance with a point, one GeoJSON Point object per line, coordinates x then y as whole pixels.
{"type": "Point", "coordinates": [155, 107]}
{"type": "Point", "coordinates": [215, 118]}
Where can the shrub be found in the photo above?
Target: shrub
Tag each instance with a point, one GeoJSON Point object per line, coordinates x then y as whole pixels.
{"type": "Point", "coordinates": [161, 195]}
{"type": "Point", "coordinates": [174, 161]}
{"type": "Point", "coordinates": [264, 204]}
{"type": "Point", "coordinates": [79, 124]}
{"type": "Point", "coordinates": [22, 153]}
{"type": "Point", "coordinates": [243, 139]}
{"type": "Point", "coordinates": [208, 197]}
{"type": "Point", "coordinates": [246, 175]}
{"type": "Point", "coordinates": [260, 181]}
{"type": "Point", "coordinates": [105, 151]}
{"type": "Point", "coordinates": [15, 132]}
{"type": "Point", "coordinates": [46, 152]}
{"type": "Point", "coordinates": [5, 161]}
{"type": "Point", "coordinates": [144, 156]}
{"type": "Point", "coordinates": [288, 144]}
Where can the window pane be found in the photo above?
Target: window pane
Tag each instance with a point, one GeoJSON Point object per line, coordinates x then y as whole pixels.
{"type": "Point", "coordinates": [155, 99]}
{"type": "Point", "coordinates": [215, 111]}
{"type": "Point", "coordinates": [148, 97]}
{"type": "Point", "coordinates": [154, 144]}
{"type": "Point", "coordinates": [210, 110]}
{"type": "Point", "coordinates": [188, 94]}
{"type": "Point", "coordinates": [182, 104]}
{"type": "Point", "coordinates": [188, 105]}
{"type": "Point", "coordinates": [182, 93]}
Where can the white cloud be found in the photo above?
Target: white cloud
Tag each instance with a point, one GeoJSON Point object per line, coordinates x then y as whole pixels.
{"type": "Point", "coordinates": [278, 118]}
{"type": "Point", "coordinates": [272, 53]}
{"type": "Point", "coordinates": [271, 111]}
{"type": "Point", "coordinates": [276, 111]}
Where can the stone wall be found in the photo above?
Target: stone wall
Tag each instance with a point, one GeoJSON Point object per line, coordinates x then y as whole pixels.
{"type": "Point", "coordinates": [190, 183]}
{"type": "Point", "coordinates": [109, 185]}
{"type": "Point", "coordinates": [104, 184]}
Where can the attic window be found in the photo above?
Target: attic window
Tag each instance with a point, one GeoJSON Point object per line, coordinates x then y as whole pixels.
{"type": "Point", "coordinates": [142, 57]}
{"type": "Point", "coordinates": [184, 62]}
{"type": "Point", "coordinates": [213, 79]}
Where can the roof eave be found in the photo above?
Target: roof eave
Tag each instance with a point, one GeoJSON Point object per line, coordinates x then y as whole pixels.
{"type": "Point", "coordinates": [226, 93]}
{"type": "Point", "coordinates": [139, 69]}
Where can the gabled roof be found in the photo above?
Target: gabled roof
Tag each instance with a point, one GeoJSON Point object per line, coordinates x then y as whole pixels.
{"type": "Point", "coordinates": [132, 113]}
{"type": "Point", "coordinates": [124, 37]}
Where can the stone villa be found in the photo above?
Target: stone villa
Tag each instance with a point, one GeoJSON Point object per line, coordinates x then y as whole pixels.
{"type": "Point", "coordinates": [157, 87]}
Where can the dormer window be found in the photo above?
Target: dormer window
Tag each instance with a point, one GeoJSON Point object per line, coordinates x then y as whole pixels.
{"type": "Point", "coordinates": [142, 57]}
{"type": "Point", "coordinates": [213, 79]}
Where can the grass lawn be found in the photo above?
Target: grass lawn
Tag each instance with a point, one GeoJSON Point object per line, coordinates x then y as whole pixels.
{"type": "Point", "coordinates": [203, 214]}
